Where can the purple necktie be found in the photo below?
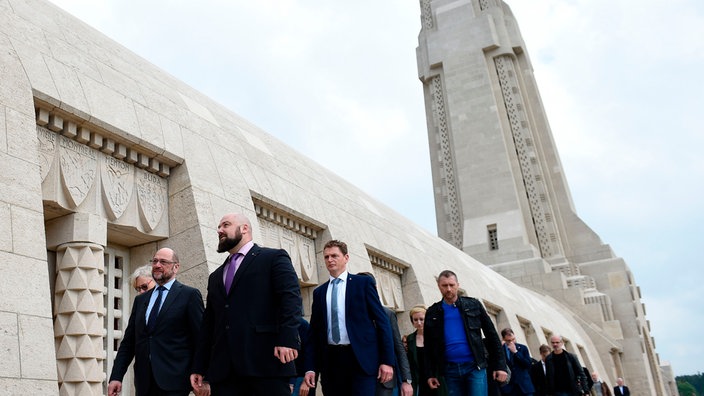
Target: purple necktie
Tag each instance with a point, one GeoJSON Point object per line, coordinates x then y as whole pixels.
{"type": "Point", "coordinates": [231, 271]}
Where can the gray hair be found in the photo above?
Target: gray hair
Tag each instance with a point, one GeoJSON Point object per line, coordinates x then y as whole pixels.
{"type": "Point", "coordinates": [144, 271]}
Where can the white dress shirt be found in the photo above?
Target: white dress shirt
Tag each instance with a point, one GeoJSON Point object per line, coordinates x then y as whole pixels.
{"type": "Point", "coordinates": [341, 292]}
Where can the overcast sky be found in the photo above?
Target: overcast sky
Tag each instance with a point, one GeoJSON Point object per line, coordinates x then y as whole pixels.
{"type": "Point", "coordinates": [621, 82]}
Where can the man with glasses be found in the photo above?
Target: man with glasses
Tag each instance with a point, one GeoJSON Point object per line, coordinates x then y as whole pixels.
{"type": "Point", "coordinates": [161, 334]}
{"type": "Point", "coordinates": [564, 375]}
{"type": "Point", "coordinates": [142, 280]}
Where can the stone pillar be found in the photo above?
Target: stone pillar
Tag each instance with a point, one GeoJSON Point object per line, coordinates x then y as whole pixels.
{"type": "Point", "coordinates": [78, 325]}
{"type": "Point", "coordinates": [79, 240]}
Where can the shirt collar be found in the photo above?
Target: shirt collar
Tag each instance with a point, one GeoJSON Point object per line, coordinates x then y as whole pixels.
{"type": "Point", "coordinates": [168, 284]}
{"type": "Point", "coordinates": [343, 276]}
{"type": "Point", "coordinates": [246, 248]}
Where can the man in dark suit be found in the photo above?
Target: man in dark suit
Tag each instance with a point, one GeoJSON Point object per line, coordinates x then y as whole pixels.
{"type": "Point", "coordinates": [351, 341]}
{"type": "Point", "coordinates": [403, 378]}
{"type": "Point", "coordinates": [249, 337]}
{"type": "Point", "coordinates": [538, 370]}
{"type": "Point", "coordinates": [620, 389]}
{"type": "Point", "coordinates": [519, 361]}
{"type": "Point", "coordinates": [161, 334]}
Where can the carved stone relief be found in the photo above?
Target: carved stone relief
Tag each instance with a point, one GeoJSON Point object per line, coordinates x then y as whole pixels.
{"type": "Point", "coordinates": [78, 169]}
{"type": "Point", "coordinates": [152, 198]}
{"type": "Point", "coordinates": [118, 184]}
{"type": "Point", "coordinates": [299, 247]}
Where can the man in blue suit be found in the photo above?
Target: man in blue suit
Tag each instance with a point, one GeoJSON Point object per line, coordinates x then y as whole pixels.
{"type": "Point", "coordinates": [519, 361]}
{"type": "Point", "coordinates": [350, 335]}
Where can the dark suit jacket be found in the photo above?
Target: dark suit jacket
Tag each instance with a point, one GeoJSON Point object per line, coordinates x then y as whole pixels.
{"type": "Point", "coordinates": [261, 311]}
{"type": "Point", "coordinates": [169, 349]}
{"type": "Point", "coordinates": [537, 376]}
{"type": "Point", "coordinates": [372, 344]}
{"type": "Point", "coordinates": [520, 364]}
{"type": "Point", "coordinates": [617, 391]}
{"type": "Point", "coordinates": [402, 371]}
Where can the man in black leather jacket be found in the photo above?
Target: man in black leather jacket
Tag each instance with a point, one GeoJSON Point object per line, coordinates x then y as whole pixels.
{"type": "Point", "coordinates": [460, 357]}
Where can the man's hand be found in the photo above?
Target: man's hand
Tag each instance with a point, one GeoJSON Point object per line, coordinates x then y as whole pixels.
{"type": "Point", "coordinates": [309, 379]}
{"type": "Point", "coordinates": [114, 388]}
{"type": "Point", "coordinates": [406, 389]}
{"type": "Point", "coordinates": [285, 354]}
{"type": "Point", "coordinates": [386, 373]}
{"type": "Point", "coordinates": [500, 376]}
{"type": "Point", "coordinates": [433, 383]}
{"type": "Point", "coordinates": [304, 389]}
{"type": "Point", "coordinates": [200, 388]}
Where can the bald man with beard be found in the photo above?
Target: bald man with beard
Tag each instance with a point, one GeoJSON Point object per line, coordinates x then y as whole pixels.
{"type": "Point", "coordinates": [249, 337]}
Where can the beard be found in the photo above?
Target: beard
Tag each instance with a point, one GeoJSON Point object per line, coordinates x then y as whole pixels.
{"type": "Point", "coordinates": [228, 243]}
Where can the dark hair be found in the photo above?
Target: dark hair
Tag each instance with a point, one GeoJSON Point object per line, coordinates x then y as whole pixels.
{"type": "Point", "coordinates": [369, 274]}
{"type": "Point", "coordinates": [506, 332]}
{"type": "Point", "coordinates": [544, 348]}
{"type": "Point", "coordinates": [447, 274]}
{"type": "Point", "coordinates": [338, 244]}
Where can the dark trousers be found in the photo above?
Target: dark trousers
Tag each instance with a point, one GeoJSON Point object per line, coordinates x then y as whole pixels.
{"type": "Point", "coordinates": [251, 386]}
{"type": "Point", "coordinates": [154, 389]}
{"type": "Point", "coordinates": [343, 375]}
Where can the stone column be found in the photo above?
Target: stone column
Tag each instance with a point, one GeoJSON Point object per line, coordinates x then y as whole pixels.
{"type": "Point", "coordinates": [79, 310]}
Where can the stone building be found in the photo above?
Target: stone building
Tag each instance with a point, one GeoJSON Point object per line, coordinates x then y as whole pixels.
{"type": "Point", "coordinates": [105, 158]}
{"type": "Point", "coordinates": [500, 192]}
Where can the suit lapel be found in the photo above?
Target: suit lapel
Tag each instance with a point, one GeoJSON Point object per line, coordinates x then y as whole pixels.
{"type": "Point", "coordinates": [171, 296]}
{"type": "Point", "coordinates": [246, 263]}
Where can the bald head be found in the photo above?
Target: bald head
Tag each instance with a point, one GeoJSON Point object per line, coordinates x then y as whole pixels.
{"type": "Point", "coordinates": [234, 231]}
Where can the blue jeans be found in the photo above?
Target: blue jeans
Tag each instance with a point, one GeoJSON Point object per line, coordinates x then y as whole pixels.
{"type": "Point", "coordinates": [465, 379]}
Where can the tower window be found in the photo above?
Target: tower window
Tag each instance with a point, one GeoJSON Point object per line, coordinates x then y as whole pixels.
{"type": "Point", "coordinates": [493, 238]}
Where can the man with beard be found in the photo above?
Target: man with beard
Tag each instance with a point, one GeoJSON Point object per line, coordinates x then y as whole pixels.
{"type": "Point", "coordinates": [249, 338]}
{"type": "Point", "coordinates": [453, 341]}
{"type": "Point", "coordinates": [161, 334]}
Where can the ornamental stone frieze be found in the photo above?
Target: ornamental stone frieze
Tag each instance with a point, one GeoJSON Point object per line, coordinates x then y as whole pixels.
{"type": "Point", "coordinates": [84, 170]}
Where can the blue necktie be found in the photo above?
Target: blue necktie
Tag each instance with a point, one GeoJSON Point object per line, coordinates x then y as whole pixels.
{"type": "Point", "coordinates": [335, 325]}
{"type": "Point", "coordinates": [151, 322]}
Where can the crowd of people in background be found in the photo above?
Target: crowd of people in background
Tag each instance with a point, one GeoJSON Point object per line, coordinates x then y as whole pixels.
{"type": "Point", "coordinates": [250, 337]}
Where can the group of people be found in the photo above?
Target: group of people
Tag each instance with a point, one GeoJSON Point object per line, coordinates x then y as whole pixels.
{"type": "Point", "coordinates": [249, 339]}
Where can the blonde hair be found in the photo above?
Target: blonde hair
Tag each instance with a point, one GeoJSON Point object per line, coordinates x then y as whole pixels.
{"type": "Point", "coordinates": [415, 310]}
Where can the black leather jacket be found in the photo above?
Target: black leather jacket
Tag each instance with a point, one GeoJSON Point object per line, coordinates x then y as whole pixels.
{"type": "Point", "coordinates": [476, 320]}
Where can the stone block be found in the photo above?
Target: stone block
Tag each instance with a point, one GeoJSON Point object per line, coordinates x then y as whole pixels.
{"type": "Point", "coordinates": [22, 387]}
{"type": "Point", "coordinates": [25, 238]}
{"type": "Point", "coordinates": [9, 344]}
{"type": "Point", "coordinates": [37, 347]}
{"type": "Point", "coordinates": [5, 227]}
{"type": "Point", "coordinates": [24, 285]}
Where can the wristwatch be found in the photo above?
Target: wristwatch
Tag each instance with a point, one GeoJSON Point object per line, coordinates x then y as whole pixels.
{"type": "Point", "coordinates": [409, 382]}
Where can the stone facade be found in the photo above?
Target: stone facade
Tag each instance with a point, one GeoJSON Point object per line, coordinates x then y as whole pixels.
{"type": "Point", "coordinates": [106, 159]}
{"type": "Point", "coordinates": [500, 192]}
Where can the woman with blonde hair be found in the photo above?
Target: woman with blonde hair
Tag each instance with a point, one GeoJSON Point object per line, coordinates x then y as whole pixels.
{"type": "Point", "coordinates": [416, 356]}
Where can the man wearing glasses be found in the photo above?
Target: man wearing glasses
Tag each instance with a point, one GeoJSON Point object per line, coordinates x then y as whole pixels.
{"type": "Point", "coordinates": [161, 334]}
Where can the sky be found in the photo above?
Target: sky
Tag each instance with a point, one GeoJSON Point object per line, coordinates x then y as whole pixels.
{"type": "Point", "coordinates": [621, 82]}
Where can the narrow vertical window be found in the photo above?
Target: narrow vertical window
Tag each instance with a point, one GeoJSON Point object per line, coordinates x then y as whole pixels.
{"type": "Point", "coordinates": [493, 238]}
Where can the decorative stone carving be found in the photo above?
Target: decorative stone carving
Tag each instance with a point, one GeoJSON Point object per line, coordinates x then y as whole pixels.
{"type": "Point", "coordinates": [78, 169]}
{"type": "Point", "coordinates": [152, 198]}
{"type": "Point", "coordinates": [118, 184]}
{"type": "Point", "coordinates": [47, 150]}
{"type": "Point", "coordinates": [78, 321]}
{"type": "Point", "coordinates": [300, 247]}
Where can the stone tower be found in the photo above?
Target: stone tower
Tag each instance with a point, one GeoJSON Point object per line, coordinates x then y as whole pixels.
{"type": "Point", "coordinates": [500, 192]}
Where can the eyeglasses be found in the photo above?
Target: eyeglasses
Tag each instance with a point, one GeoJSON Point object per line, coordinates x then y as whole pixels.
{"type": "Point", "coordinates": [161, 261]}
{"type": "Point", "coordinates": [143, 287]}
